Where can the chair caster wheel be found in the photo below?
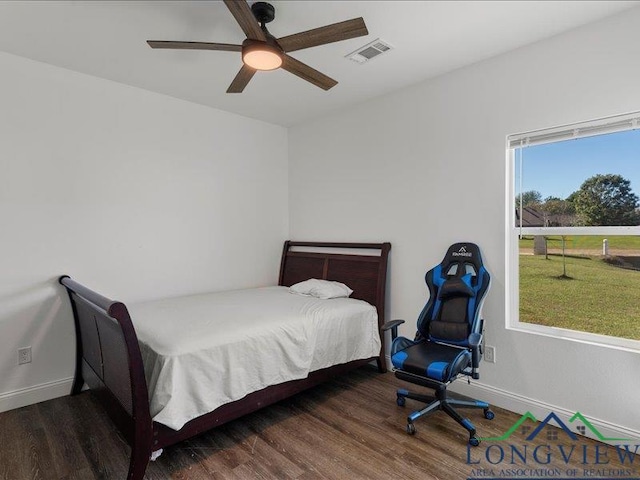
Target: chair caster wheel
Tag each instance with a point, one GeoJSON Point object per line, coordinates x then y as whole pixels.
{"type": "Point", "coordinates": [411, 429]}
{"type": "Point", "coordinates": [474, 441]}
{"type": "Point", "coordinates": [488, 414]}
{"type": "Point", "coordinates": [401, 401]}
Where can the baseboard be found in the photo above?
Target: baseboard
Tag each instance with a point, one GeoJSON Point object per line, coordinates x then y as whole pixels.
{"type": "Point", "coordinates": [35, 394]}
{"type": "Point", "coordinates": [521, 404]}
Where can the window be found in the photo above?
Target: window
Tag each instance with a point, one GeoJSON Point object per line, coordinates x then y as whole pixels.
{"type": "Point", "coordinates": [574, 231]}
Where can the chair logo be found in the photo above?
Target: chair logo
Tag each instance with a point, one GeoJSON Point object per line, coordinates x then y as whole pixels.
{"type": "Point", "coordinates": [551, 448]}
{"type": "Point", "coordinates": [462, 252]}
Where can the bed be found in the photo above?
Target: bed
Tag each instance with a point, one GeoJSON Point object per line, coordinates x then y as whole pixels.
{"type": "Point", "coordinates": [123, 361]}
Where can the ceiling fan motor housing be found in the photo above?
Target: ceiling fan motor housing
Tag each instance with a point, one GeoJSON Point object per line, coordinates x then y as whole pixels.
{"type": "Point", "coordinates": [264, 12]}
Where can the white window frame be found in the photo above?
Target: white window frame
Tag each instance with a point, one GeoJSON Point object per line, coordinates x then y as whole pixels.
{"type": "Point", "coordinates": [513, 232]}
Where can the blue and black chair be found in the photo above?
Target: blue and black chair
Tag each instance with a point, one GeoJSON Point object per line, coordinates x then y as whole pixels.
{"type": "Point", "coordinates": [448, 342]}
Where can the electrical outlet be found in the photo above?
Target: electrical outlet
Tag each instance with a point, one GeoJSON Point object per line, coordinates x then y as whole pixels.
{"type": "Point", "coordinates": [24, 355]}
{"type": "Point", "coordinates": [490, 354]}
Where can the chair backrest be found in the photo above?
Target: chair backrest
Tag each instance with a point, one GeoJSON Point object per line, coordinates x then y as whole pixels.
{"type": "Point", "coordinates": [457, 287]}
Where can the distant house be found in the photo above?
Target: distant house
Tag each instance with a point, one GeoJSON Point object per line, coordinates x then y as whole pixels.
{"type": "Point", "coordinates": [532, 217]}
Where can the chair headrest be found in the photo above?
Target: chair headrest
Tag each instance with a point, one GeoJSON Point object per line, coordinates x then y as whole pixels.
{"type": "Point", "coordinates": [463, 253]}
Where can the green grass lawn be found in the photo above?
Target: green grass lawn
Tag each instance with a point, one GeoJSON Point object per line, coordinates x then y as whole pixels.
{"type": "Point", "coordinates": [623, 242]}
{"type": "Point", "coordinates": [598, 298]}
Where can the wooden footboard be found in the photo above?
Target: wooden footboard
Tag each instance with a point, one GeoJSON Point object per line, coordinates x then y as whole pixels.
{"type": "Point", "coordinates": [110, 363]}
{"type": "Point", "coordinates": [108, 359]}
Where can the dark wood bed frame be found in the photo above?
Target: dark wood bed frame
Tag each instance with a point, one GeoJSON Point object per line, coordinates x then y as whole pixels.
{"type": "Point", "coordinates": [108, 356]}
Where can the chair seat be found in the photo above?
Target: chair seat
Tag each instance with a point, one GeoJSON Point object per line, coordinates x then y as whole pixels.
{"type": "Point", "coordinates": [432, 360]}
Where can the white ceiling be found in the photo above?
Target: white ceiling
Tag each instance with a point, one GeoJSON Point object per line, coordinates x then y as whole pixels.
{"type": "Point", "coordinates": [107, 39]}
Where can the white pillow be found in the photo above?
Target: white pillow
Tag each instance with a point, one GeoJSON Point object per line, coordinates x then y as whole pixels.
{"type": "Point", "coordinates": [321, 289]}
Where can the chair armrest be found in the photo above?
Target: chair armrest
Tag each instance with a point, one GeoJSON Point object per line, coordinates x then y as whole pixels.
{"type": "Point", "coordinates": [393, 326]}
{"type": "Point", "coordinates": [475, 340]}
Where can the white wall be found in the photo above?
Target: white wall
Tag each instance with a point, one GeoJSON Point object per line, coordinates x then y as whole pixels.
{"type": "Point", "coordinates": [425, 167]}
{"type": "Point", "coordinates": [132, 193]}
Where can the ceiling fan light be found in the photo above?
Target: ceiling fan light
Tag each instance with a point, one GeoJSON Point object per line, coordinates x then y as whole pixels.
{"type": "Point", "coordinates": [261, 56]}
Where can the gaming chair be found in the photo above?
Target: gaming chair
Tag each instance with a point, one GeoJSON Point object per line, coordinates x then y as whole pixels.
{"type": "Point", "coordinates": [448, 342]}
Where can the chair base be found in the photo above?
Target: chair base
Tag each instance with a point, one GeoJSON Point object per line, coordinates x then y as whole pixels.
{"type": "Point", "coordinates": [442, 402]}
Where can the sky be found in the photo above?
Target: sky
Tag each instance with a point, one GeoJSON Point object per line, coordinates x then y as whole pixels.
{"type": "Point", "coordinates": [558, 169]}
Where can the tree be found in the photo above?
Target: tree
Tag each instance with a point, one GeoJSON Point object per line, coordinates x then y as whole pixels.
{"type": "Point", "coordinates": [529, 198]}
{"type": "Point", "coordinates": [606, 200]}
{"type": "Point", "coordinates": [558, 212]}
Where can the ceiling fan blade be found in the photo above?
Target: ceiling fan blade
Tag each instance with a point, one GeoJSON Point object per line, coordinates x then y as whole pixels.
{"type": "Point", "coordinates": [244, 16]}
{"type": "Point", "coordinates": [227, 47]}
{"type": "Point", "coordinates": [307, 73]}
{"type": "Point", "coordinates": [242, 78]}
{"type": "Point", "coordinates": [319, 36]}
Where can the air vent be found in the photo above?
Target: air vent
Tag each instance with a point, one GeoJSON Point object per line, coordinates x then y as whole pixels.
{"type": "Point", "coordinates": [369, 51]}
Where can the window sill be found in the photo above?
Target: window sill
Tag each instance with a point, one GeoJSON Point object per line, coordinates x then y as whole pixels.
{"type": "Point", "coordinates": [605, 341]}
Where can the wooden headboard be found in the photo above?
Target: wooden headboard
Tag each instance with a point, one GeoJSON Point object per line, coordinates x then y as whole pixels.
{"type": "Point", "coordinates": [365, 273]}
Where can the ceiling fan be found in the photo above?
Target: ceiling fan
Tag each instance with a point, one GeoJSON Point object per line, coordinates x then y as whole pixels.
{"type": "Point", "coordinates": [262, 51]}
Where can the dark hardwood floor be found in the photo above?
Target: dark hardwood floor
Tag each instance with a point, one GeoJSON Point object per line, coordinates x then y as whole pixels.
{"type": "Point", "coordinates": [349, 428]}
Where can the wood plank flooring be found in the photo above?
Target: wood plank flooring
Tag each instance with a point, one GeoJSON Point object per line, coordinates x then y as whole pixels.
{"type": "Point", "coordinates": [348, 428]}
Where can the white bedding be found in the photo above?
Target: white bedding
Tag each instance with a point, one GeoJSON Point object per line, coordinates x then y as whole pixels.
{"type": "Point", "coordinates": [203, 351]}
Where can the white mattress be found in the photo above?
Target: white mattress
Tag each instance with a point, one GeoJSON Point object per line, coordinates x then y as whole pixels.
{"type": "Point", "coordinates": [203, 351]}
